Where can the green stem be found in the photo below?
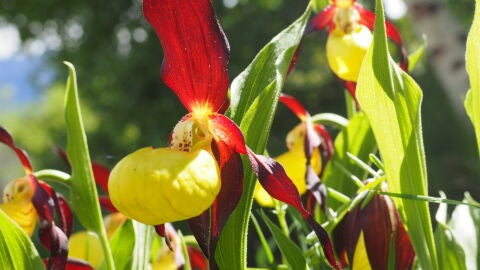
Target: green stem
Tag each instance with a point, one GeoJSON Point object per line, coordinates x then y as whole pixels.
{"type": "Point", "coordinates": [428, 199]}
{"type": "Point", "coordinates": [107, 251]}
{"type": "Point", "coordinates": [282, 221]}
{"type": "Point", "coordinates": [330, 119]}
{"type": "Point", "coordinates": [58, 176]}
{"type": "Point", "coordinates": [264, 242]}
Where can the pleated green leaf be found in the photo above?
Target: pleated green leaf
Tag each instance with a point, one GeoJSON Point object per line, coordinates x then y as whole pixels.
{"type": "Point", "coordinates": [391, 99]}
{"type": "Point", "coordinates": [290, 251]}
{"type": "Point", "coordinates": [16, 249]}
{"type": "Point", "coordinates": [472, 101]}
{"type": "Point", "coordinates": [254, 98]}
{"type": "Point", "coordinates": [83, 196]}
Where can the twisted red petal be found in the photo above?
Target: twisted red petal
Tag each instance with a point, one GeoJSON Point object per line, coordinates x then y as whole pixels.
{"type": "Point", "coordinates": [7, 139]}
{"type": "Point", "coordinates": [101, 174]}
{"type": "Point", "coordinates": [195, 50]}
{"type": "Point", "coordinates": [322, 20]}
{"type": "Point", "coordinates": [228, 132]}
{"type": "Point", "coordinates": [197, 260]}
{"type": "Point", "coordinates": [295, 106]}
{"type": "Point", "coordinates": [209, 224]}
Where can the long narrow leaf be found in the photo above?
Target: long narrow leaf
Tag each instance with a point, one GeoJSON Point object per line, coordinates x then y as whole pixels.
{"type": "Point", "coordinates": [290, 251]}
{"type": "Point", "coordinates": [391, 99]}
{"type": "Point", "coordinates": [472, 102]}
{"type": "Point", "coordinates": [254, 96]}
{"type": "Point", "coordinates": [84, 195]}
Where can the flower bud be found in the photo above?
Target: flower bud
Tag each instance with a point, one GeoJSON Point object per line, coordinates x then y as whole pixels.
{"type": "Point", "coordinates": [155, 186]}
{"type": "Point", "coordinates": [86, 246]}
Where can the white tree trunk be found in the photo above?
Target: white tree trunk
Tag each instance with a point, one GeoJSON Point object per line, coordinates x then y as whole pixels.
{"type": "Point", "coordinates": [446, 46]}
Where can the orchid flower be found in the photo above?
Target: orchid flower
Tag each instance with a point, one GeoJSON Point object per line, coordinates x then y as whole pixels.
{"type": "Point", "coordinates": [350, 27]}
{"type": "Point", "coordinates": [364, 235]}
{"type": "Point", "coordinates": [27, 198]}
{"type": "Point", "coordinates": [199, 176]}
{"type": "Point", "coordinates": [306, 143]}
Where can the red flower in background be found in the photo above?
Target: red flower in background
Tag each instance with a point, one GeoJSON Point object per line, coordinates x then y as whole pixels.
{"type": "Point", "coordinates": [53, 212]}
{"type": "Point", "coordinates": [199, 176]}
{"type": "Point", "coordinates": [349, 27]}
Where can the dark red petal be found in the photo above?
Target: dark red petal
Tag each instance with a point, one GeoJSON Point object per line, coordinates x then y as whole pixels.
{"type": "Point", "coordinates": [377, 229]}
{"type": "Point", "coordinates": [6, 138]}
{"type": "Point", "coordinates": [161, 231]}
{"type": "Point", "coordinates": [208, 226]}
{"type": "Point", "coordinates": [346, 235]}
{"type": "Point", "coordinates": [403, 247]}
{"type": "Point", "coordinates": [275, 181]}
{"type": "Point", "coordinates": [327, 143]}
{"type": "Point", "coordinates": [195, 50]}
{"type": "Point", "coordinates": [295, 106]}
{"type": "Point", "coordinates": [76, 264]}
{"type": "Point", "coordinates": [197, 260]}
{"type": "Point", "coordinates": [322, 20]}
{"type": "Point", "coordinates": [58, 248]}
{"type": "Point", "coordinates": [101, 174]}
{"type": "Point", "coordinates": [41, 200]}
{"type": "Point", "coordinates": [228, 132]}
{"type": "Point", "coordinates": [367, 18]}
{"type": "Point", "coordinates": [65, 214]}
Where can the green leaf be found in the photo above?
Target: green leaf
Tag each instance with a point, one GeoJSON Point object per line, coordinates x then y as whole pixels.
{"type": "Point", "coordinates": [472, 101]}
{"type": "Point", "coordinates": [414, 57]}
{"type": "Point", "coordinates": [122, 244]}
{"type": "Point", "coordinates": [391, 100]}
{"type": "Point", "coordinates": [16, 249]}
{"type": "Point", "coordinates": [450, 253]}
{"type": "Point", "coordinates": [143, 244]}
{"type": "Point", "coordinates": [357, 138]}
{"type": "Point", "coordinates": [84, 196]}
{"type": "Point", "coordinates": [254, 98]}
{"type": "Point", "coordinates": [290, 251]}
{"type": "Point", "coordinates": [465, 225]}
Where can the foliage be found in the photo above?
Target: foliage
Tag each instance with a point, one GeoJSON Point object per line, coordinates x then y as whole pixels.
{"type": "Point", "coordinates": [125, 111]}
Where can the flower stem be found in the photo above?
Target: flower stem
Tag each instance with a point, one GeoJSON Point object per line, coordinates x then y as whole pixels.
{"type": "Point", "coordinates": [106, 250]}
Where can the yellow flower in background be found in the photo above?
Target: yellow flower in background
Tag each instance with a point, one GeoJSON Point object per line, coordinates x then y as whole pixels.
{"type": "Point", "coordinates": [17, 204]}
{"type": "Point", "coordinates": [86, 246]}
{"type": "Point", "coordinates": [295, 164]}
{"type": "Point", "coordinates": [345, 51]}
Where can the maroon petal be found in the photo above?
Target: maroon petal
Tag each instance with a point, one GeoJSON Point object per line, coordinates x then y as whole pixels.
{"type": "Point", "coordinates": [346, 235]}
{"type": "Point", "coordinates": [7, 139]}
{"type": "Point", "coordinates": [228, 132]}
{"type": "Point", "coordinates": [58, 246]}
{"type": "Point", "coordinates": [275, 181]}
{"type": "Point", "coordinates": [65, 214]}
{"type": "Point", "coordinates": [404, 253]}
{"type": "Point", "coordinates": [322, 20]}
{"type": "Point", "coordinates": [208, 226]}
{"type": "Point", "coordinates": [327, 143]}
{"type": "Point", "coordinates": [195, 50]}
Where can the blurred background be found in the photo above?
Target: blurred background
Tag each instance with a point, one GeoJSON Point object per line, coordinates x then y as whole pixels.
{"type": "Point", "coordinates": [126, 106]}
